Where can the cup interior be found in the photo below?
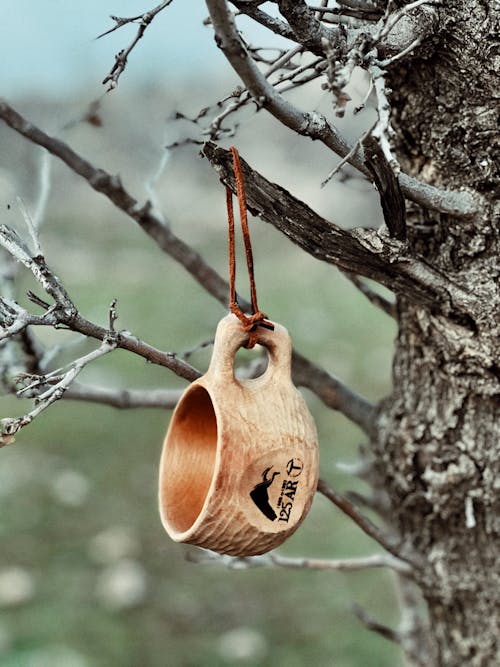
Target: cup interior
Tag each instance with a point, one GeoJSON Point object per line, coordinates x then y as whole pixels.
{"type": "Point", "coordinates": [189, 460]}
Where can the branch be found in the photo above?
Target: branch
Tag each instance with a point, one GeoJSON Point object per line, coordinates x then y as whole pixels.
{"type": "Point", "coordinates": [272, 23]}
{"type": "Point", "coordinates": [382, 131]}
{"type": "Point", "coordinates": [14, 319]}
{"type": "Point", "coordinates": [361, 251]}
{"type": "Point", "coordinates": [375, 626]}
{"type": "Point", "coordinates": [386, 182]}
{"type": "Point", "coordinates": [306, 27]}
{"type": "Point", "coordinates": [389, 307]}
{"type": "Point", "coordinates": [331, 391]}
{"type": "Point", "coordinates": [112, 188]}
{"type": "Point", "coordinates": [57, 383]}
{"type": "Point", "coordinates": [391, 543]}
{"type": "Point", "coordinates": [277, 560]}
{"type": "Point", "coordinates": [413, 626]}
{"type": "Point", "coordinates": [124, 398]}
{"type": "Point", "coordinates": [121, 57]}
{"type": "Point", "coordinates": [315, 125]}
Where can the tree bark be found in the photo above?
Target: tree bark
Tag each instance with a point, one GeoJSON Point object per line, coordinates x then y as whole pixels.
{"type": "Point", "coordinates": [439, 431]}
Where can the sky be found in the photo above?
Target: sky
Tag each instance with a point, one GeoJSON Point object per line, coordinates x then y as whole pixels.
{"type": "Point", "coordinates": [49, 46]}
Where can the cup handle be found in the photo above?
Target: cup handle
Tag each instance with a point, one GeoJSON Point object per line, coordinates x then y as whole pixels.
{"type": "Point", "coordinates": [230, 336]}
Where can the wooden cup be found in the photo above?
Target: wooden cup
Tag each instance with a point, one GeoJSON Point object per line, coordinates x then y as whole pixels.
{"type": "Point", "coordinates": [239, 466]}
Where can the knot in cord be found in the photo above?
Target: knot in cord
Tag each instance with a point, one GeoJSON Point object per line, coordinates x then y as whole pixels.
{"type": "Point", "coordinates": [257, 318]}
{"type": "Point", "coordinates": [250, 324]}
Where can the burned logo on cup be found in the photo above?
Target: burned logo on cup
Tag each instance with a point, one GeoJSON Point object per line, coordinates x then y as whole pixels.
{"type": "Point", "coordinates": [289, 485]}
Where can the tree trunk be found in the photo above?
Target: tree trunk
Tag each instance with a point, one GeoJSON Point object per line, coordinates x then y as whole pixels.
{"type": "Point", "coordinates": [439, 431]}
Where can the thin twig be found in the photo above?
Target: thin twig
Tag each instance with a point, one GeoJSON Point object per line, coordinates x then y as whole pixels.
{"type": "Point", "coordinates": [44, 177]}
{"type": "Point", "coordinates": [64, 311]}
{"type": "Point", "coordinates": [396, 16]}
{"type": "Point", "coordinates": [58, 381]}
{"type": "Point", "coordinates": [375, 626]}
{"type": "Point", "coordinates": [30, 224]}
{"type": "Point", "coordinates": [409, 49]}
{"type": "Point", "coordinates": [355, 148]}
{"type": "Point", "coordinates": [391, 543]}
{"type": "Point", "coordinates": [389, 307]}
{"type": "Point", "coordinates": [124, 399]}
{"type": "Point", "coordinates": [275, 25]}
{"type": "Point", "coordinates": [121, 57]}
{"type": "Point", "coordinates": [277, 560]}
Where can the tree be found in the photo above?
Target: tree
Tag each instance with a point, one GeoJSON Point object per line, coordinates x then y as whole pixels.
{"type": "Point", "coordinates": [431, 155]}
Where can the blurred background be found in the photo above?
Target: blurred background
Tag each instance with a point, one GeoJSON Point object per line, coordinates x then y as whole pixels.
{"type": "Point", "coordinates": [88, 578]}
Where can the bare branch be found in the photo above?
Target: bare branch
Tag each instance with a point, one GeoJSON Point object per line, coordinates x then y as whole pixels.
{"type": "Point", "coordinates": [57, 383]}
{"type": "Point", "coordinates": [124, 399]}
{"type": "Point", "coordinates": [315, 125]}
{"type": "Point", "coordinates": [306, 27]}
{"type": "Point", "coordinates": [31, 225]}
{"type": "Point", "coordinates": [64, 312]}
{"type": "Point", "coordinates": [112, 188]}
{"type": "Point", "coordinates": [361, 5]}
{"type": "Point", "coordinates": [357, 146]}
{"type": "Point", "coordinates": [331, 391]}
{"type": "Point", "coordinates": [389, 307]}
{"type": "Point", "coordinates": [386, 182]}
{"type": "Point", "coordinates": [413, 626]}
{"type": "Point", "coordinates": [401, 54]}
{"type": "Point", "coordinates": [383, 131]}
{"type": "Point", "coordinates": [277, 560]}
{"type": "Point", "coordinates": [274, 24]}
{"type": "Point", "coordinates": [362, 251]}
{"type": "Point", "coordinates": [391, 543]}
{"type": "Point", "coordinates": [362, 14]}
{"type": "Point", "coordinates": [375, 626]}
{"type": "Point", "coordinates": [121, 57]}
{"type": "Point", "coordinates": [44, 188]}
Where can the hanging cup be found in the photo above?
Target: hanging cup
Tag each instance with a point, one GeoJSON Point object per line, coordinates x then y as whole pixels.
{"type": "Point", "coordinates": [239, 466]}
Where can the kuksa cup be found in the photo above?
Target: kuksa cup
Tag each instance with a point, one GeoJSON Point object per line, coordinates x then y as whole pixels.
{"type": "Point", "coordinates": [239, 466]}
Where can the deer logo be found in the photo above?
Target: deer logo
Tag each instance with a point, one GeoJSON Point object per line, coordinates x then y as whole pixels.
{"type": "Point", "coordinates": [260, 494]}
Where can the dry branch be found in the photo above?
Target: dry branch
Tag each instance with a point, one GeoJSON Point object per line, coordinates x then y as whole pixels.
{"type": "Point", "coordinates": [274, 559]}
{"type": "Point", "coordinates": [389, 307]}
{"type": "Point", "coordinates": [124, 399]}
{"type": "Point", "coordinates": [360, 251]}
{"type": "Point", "coordinates": [331, 391]}
{"type": "Point", "coordinates": [315, 125]}
{"type": "Point", "coordinates": [391, 543]}
{"type": "Point", "coordinates": [122, 57]}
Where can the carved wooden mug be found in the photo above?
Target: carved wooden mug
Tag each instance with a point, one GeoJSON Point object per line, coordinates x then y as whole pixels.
{"type": "Point", "coordinates": [239, 465]}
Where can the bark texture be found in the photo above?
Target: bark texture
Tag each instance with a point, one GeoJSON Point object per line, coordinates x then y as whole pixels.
{"type": "Point", "coordinates": [439, 431]}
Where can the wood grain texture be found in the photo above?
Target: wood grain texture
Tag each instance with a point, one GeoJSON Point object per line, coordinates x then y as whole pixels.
{"type": "Point", "coordinates": [239, 466]}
